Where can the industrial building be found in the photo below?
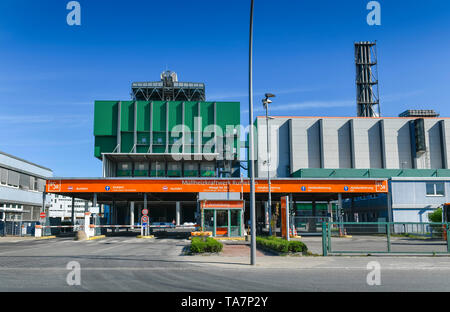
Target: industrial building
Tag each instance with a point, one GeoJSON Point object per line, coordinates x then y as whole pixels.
{"type": "Point", "coordinates": [22, 184]}
{"type": "Point", "coordinates": [180, 159]}
{"type": "Point", "coordinates": [408, 151]}
{"type": "Point", "coordinates": [172, 152]}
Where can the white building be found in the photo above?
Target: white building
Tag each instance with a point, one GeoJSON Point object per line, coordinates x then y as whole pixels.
{"type": "Point", "coordinates": [22, 184]}
{"type": "Point", "coordinates": [61, 207]}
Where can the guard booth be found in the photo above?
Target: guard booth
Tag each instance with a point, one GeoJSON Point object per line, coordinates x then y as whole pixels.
{"type": "Point", "coordinates": [446, 213]}
{"type": "Point", "coordinates": [224, 218]}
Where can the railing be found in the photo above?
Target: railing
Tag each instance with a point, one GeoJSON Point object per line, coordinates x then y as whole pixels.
{"type": "Point", "coordinates": [309, 224]}
{"type": "Point", "coordinates": [385, 238]}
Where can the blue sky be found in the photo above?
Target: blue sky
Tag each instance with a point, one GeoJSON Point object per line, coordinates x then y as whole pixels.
{"type": "Point", "coordinates": [51, 73]}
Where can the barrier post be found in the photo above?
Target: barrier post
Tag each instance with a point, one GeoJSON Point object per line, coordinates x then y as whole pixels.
{"type": "Point", "coordinates": [37, 231]}
{"type": "Point", "coordinates": [324, 239]}
{"type": "Point", "coordinates": [87, 223]}
{"type": "Point", "coordinates": [388, 232]}
{"type": "Point", "coordinates": [448, 238]}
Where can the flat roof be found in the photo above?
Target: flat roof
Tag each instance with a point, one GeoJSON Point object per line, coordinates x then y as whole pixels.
{"type": "Point", "coordinates": [348, 117]}
{"type": "Point", "coordinates": [25, 161]}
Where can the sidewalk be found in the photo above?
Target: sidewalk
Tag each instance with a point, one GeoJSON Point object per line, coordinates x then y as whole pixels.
{"type": "Point", "coordinates": [14, 239]}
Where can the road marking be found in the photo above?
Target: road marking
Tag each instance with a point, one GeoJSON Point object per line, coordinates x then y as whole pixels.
{"type": "Point", "coordinates": [201, 269]}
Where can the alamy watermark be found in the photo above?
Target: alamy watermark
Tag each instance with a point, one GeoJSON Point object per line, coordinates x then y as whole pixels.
{"type": "Point", "coordinates": [374, 16]}
{"type": "Point", "coordinates": [374, 276]}
{"type": "Point", "coordinates": [74, 276]}
{"type": "Point", "coordinates": [74, 16]}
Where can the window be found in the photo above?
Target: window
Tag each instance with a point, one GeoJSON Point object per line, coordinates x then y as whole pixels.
{"type": "Point", "coordinates": [3, 176]}
{"type": "Point", "coordinates": [435, 189]}
{"type": "Point", "coordinates": [24, 181]}
{"type": "Point", "coordinates": [13, 178]}
{"type": "Point", "coordinates": [41, 185]}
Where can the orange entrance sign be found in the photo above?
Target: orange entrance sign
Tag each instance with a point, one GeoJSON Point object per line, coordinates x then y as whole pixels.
{"type": "Point", "coordinates": [217, 204]}
{"type": "Point", "coordinates": [213, 185]}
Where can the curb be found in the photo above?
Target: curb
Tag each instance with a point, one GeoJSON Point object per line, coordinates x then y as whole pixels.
{"type": "Point", "coordinates": [96, 237]}
{"type": "Point", "coordinates": [145, 237]}
{"type": "Point", "coordinates": [229, 238]}
{"type": "Point", "coordinates": [45, 237]}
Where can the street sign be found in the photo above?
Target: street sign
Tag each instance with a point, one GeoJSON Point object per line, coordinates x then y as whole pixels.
{"type": "Point", "coordinates": [144, 219]}
{"type": "Point", "coordinates": [145, 212]}
{"type": "Point", "coordinates": [42, 215]}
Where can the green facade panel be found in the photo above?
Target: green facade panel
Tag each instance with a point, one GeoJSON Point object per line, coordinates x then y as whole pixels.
{"type": "Point", "coordinates": [175, 114]}
{"type": "Point", "coordinates": [143, 116]}
{"type": "Point", "coordinates": [154, 119]}
{"type": "Point", "coordinates": [159, 117]}
{"type": "Point", "coordinates": [105, 118]}
{"type": "Point", "coordinates": [207, 113]}
{"type": "Point", "coordinates": [127, 142]}
{"type": "Point", "coordinates": [308, 206]}
{"type": "Point", "coordinates": [104, 144]}
{"type": "Point", "coordinates": [127, 116]}
{"type": "Point", "coordinates": [190, 112]}
{"type": "Point", "coordinates": [228, 114]}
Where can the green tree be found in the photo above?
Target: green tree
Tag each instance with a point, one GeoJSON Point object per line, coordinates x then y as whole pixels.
{"type": "Point", "coordinates": [436, 216]}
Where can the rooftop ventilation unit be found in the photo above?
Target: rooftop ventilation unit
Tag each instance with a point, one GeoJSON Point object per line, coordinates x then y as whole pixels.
{"type": "Point", "coordinates": [168, 89]}
{"type": "Point", "coordinates": [419, 113]}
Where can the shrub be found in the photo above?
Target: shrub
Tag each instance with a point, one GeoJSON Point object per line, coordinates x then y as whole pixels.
{"type": "Point", "coordinates": [281, 245]}
{"type": "Point", "coordinates": [296, 246]}
{"type": "Point", "coordinates": [436, 216]}
{"type": "Point", "coordinates": [205, 244]}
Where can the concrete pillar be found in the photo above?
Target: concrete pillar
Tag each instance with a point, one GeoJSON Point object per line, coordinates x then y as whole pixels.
{"type": "Point", "coordinates": [73, 211]}
{"type": "Point", "coordinates": [132, 213]}
{"type": "Point", "coordinates": [178, 213]}
{"type": "Point", "coordinates": [145, 207]}
{"type": "Point", "coordinates": [266, 215]}
{"type": "Point", "coordinates": [340, 210]}
{"type": "Point", "coordinates": [330, 210]}
{"type": "Point", "coordinates": [389, 205]}
{"type": "Point", "coordinates": [94, 202]}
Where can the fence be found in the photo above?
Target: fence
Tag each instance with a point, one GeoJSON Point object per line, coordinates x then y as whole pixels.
{"type": "Point", "coordinates": [385, 237]}
{"type": "Point", "coordinates": [17, 228]}
{"type": "Point", "coordinates": [308, 224]}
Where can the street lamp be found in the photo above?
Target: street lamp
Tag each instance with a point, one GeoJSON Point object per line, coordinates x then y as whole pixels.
{"type": "Point", "coordinates": [251, 147]}
{"type": "Point", "coordinates": [266, 103]}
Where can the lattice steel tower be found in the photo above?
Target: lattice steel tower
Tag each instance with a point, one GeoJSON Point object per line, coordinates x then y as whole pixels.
{"type": "Point", "coordinates": [367, 91]}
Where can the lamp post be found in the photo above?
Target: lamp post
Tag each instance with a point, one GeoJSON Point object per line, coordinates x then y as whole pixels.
{"type": "Point", "coordinates": [266, 103]}
{"type": "Point", "coordinates": [251, 147]}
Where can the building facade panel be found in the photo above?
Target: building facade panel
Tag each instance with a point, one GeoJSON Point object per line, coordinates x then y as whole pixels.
{"type": "Point", "coordinates": [361, 143]}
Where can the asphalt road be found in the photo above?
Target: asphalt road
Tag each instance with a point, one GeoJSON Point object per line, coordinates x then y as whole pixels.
{"type": "Point", "coordinates": [131, 264]}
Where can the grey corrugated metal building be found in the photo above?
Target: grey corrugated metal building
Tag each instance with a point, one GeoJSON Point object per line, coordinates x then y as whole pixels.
{"type": "Point", "coordinates": [414, 153]}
